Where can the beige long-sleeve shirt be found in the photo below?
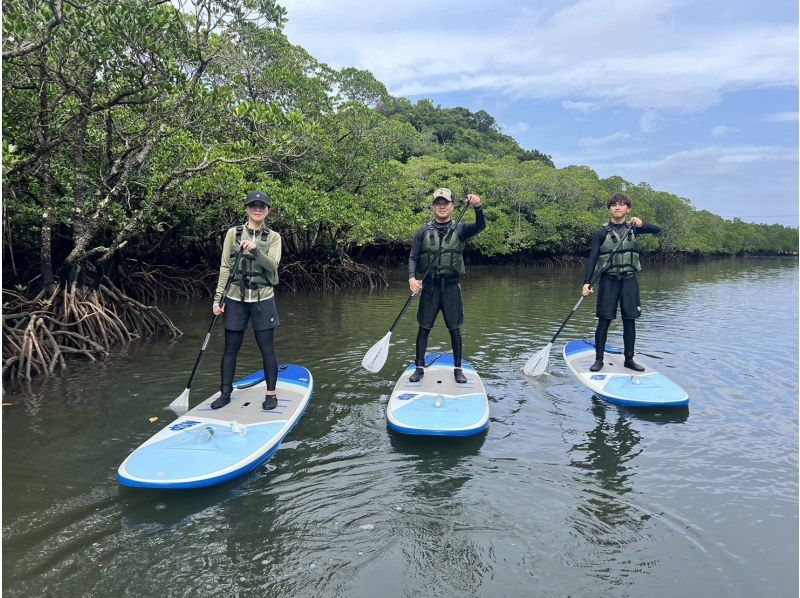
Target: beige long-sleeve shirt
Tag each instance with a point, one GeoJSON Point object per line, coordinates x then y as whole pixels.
{"type": "Point", "coordinates": [267, 254]}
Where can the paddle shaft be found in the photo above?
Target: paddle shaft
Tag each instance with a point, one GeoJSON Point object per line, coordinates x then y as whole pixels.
{"type": "Point", "coordinates": [595, 276]}
{"type": "Point", "coordinates": [435, 259]}
{"type": "Point", "coordinates": [215, 318]}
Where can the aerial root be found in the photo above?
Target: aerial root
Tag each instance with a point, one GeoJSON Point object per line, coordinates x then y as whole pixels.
{"type": "Point", "coordinates": [72, 320]}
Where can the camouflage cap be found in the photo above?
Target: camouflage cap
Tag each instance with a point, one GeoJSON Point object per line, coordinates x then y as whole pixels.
{"type": "Point", "coordinates": [443, 193]}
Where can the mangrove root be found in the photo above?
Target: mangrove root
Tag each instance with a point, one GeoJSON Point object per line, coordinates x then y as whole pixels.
{"type": "Point", "coordinates": [70, 320]}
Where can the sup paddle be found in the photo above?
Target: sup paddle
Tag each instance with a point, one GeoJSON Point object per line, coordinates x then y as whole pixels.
{"type": "Point", "coordinates": [538, 362]}
{"type": "Point", "coordinates": [376, 356]}
{"type": "Point", "coordinates": [182, 402]}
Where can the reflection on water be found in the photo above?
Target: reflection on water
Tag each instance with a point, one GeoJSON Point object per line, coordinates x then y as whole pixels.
{"type": "Point", "coordinates": [603, 518]}
{"type": "Point", "coordinates": [564, 495]}
{"type": "Point", "coordinates": [609, 446]}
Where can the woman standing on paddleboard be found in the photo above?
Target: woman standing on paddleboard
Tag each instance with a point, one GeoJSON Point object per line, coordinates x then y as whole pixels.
{"type": "Point", "coordinates": [250, 297]}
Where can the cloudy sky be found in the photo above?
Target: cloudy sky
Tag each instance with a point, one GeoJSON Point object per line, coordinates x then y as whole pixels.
{"type": "Point", "coordinates": [696, 97]}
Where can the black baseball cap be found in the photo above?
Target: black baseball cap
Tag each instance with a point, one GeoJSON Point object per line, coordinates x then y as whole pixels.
{"type": "Point", "coordinates": [254, 196]}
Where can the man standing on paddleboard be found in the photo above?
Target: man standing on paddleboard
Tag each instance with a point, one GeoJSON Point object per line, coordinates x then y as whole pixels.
{"type": "Point", "coordinates": [438, 248]}
{"type": "Point", "coordinates": [616, 247]}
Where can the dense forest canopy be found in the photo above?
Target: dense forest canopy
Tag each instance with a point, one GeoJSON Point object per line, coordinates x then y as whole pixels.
{"type": "Point", "coordinates": [132, 130]}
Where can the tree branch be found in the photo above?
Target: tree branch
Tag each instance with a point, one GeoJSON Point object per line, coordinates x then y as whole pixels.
{"type": "Point", "coordinates": [28, 47]}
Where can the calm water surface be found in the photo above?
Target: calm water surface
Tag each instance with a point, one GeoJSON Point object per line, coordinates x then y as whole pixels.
{"type": "Point", "coordinates": [564, 495]}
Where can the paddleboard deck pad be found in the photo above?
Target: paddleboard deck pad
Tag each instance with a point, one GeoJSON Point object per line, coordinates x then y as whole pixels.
{"type": "Point", "coordinates": [620, 385]}
{"type": "Point", "coordinates": [437, 405]}
{"type": "Point", "coordinates": [208, 446]}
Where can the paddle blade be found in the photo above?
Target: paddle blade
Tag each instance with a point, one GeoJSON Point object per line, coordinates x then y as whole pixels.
{"type": "Point", "coordinates": [538, 362]}
{"type": "Point", "coordinates": [182, 402]}
{"type": "Point", "coordinates": [178, 410]}
{"type": "Point", "coordinates": [376, 356]}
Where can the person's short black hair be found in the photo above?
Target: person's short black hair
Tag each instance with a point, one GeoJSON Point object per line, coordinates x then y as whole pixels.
{"type": "Point", "coordinates": [618, 198]}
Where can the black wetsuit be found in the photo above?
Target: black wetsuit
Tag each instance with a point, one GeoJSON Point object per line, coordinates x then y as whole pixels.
{"type": "Point", "coordinates": [614, 290]}
{"type": "Point", "coordinates": [443, 293]}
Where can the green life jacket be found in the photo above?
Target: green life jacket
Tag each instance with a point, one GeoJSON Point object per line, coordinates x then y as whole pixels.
{"type": "Point", "coordinates": [451, 260]}
{"type": "Point", "coordinates": [250, 275]}
{"type": "Point", "coordinates": [626, 259]}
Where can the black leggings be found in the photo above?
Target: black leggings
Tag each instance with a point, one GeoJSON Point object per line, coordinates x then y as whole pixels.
{"type": "Point", "coordinates": [455, 340]}
{"type": "Point", "coordinates": [628, 336]}
{"type": "Point", "coordinates": [233, 342]}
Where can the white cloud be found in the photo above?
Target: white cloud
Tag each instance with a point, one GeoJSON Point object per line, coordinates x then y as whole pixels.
{"type": "Point", "coordinates": [581, 107]}
{"type": "Point", "coordinates": [597, 156]}
{"type": "Point", "coordinates": [570, 53]}
{"type": "Point", "coordinates": [721, 130]}
{"type": "Point", "coordinates": [782, 117]}
{"type": "Point", "coordinates": [649, 121]}
{"type": "Point", "coordinates": [597, 141]}
{"type": "Point", "coordinates": [716, 154]}
{"type": "Point", "coordinates": [520, 127]}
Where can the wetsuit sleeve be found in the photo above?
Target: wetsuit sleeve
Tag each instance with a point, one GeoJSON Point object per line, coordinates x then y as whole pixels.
{"type": "Point", "coordinates": [272, 257]}
{"type": "Point", "coordinates": [225, 264]}
{"type": "Point", "coordinates": [647, 229]}
{"type": "Point", "coordinates": [467, 231]}
{"type": "Point", "coordinates": [413, 257]}
{"type": "Point", "coordinates": [594, 252]}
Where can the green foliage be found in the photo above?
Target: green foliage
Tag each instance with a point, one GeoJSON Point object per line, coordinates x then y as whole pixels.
{"type": "Point", "coordinates": [457, 134]}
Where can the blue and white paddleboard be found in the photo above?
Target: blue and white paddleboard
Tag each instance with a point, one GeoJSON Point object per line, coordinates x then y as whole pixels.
{"type": "Point", "coordinates": [619, 385]}
{"type": "Point", "coordinates": [209, 446]}
{"type": "Point", "coordinates": [437, 405]}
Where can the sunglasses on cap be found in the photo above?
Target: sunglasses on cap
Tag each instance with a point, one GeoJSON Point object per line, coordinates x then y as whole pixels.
{"type": "Point", "coordinates": [440, 201]}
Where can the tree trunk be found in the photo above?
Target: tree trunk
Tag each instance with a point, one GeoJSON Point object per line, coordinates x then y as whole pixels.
{"type": "Point", "coordinates": [81, 127]}
{"type": "Point", "coordinates": [43, 134]}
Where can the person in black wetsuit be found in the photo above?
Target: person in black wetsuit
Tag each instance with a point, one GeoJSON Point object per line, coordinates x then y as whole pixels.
{"type": "Point", "coordinates": [440, 289]}
{"type": "Point", "coordinates": [618, 282]}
